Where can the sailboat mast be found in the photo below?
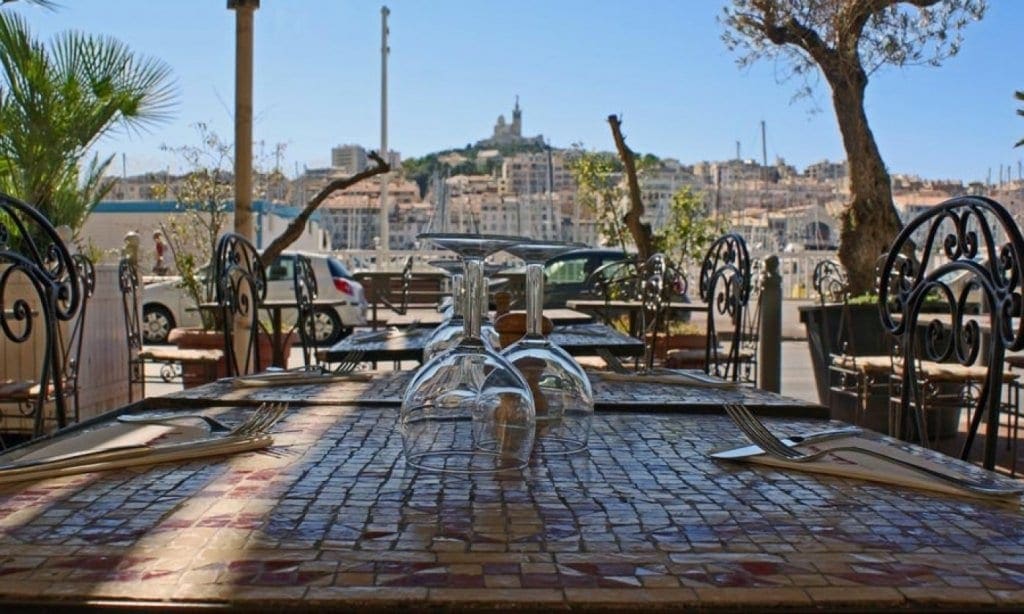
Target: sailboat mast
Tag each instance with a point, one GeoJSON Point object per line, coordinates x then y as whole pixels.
{"type": "Point", "coordinates": [384, 49]}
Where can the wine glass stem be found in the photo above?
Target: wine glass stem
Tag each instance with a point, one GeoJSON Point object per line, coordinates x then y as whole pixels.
{"type": "Point", "coordinates": [474, 287]}
{"type": "Point", "coordinates": [457, 298]}
{"type": "Point", "coordinates": [534, 299]}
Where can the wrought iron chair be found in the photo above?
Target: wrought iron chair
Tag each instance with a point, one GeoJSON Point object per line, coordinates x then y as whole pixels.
{"type": "Point", "coordinates": [618, 280]}
{"type": "Point", "coordinates": [305, 294]}
{"type": "Point", "coordinates": [128, 283]}
{"type": "Point", "coordinates": [725, 286]}
{"type": "Point", "coordinates": [854, 378]}
{"type": "Point", "coordinates": [241, 288]}
{"type": "Point", "coordinates": [40, 290]}
{"type": "Point", "coordinates": [70, 336]}
{"type": "Point", "coordinates": [967, 251]}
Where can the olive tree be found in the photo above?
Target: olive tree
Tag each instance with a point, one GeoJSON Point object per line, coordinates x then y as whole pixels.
{"type": "Point", "coordinates": [845, 42]}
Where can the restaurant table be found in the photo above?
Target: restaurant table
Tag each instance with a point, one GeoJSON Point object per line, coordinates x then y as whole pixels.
{"type": "Point", "coordinates": [430, 317]}
{"type": "Point", "coordinates": [578, 340]}
{"type": "Point", "coordinates": [279, 337]}
{"type": "Point", "coordinates": [333, 518]}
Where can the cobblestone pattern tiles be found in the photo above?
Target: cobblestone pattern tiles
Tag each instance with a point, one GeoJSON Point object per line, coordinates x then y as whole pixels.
{"type": "Point", "coordinates": [641, 520]}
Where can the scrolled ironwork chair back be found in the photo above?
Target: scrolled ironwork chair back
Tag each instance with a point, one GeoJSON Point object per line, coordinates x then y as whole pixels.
{"type": "Point", "coordinates": [27, 232]}
{"type": "Point", "coordinates": [71, 341]}
{"type": "Point", "coordinates": [725, 286]}
{"type": "Point", "coordinates": [240, 292]}
{"type": "Point", "coordinates": [617, 280]}
{"type": "Point", "coordinates": [31, 250]}
{"type": "Point", "coordinates": [305, 294]}
{"type": "Point", "coordinates": [966, 251]}
{"type": "Point", "coordinates": [660, 281]}
{"type": "Point", "coordinates": [128, 284]}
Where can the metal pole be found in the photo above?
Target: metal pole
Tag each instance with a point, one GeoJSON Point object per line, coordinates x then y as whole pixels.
{"type": "Point", "coordinates": [244, 10]}
{"type": "Point", "coordinates": [385, 231]}
{"type": "Point", "coordinates": [769, 360]}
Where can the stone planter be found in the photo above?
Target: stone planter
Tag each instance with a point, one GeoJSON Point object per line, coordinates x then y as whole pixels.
{"type": "Point", "coordinates": [681, 350]}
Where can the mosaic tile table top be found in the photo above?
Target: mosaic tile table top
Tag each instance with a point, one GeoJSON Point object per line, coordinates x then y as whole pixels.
{"type": "Point", "coordinates": [577, 339]}
{"type": "Point", "coordinates": [643, 520]}
{"type": "Point", "coordinates": [387, 387]}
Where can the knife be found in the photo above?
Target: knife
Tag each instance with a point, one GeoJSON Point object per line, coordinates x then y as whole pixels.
{"type": "Point", "coordinates": [796, 440]}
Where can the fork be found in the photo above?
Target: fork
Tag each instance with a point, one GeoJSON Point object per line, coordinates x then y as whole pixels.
{"type": "Point", "coordinates": [216, 426]}
{"type": "Point", "coordinates": [349, 363]}
{"type": "Point", "coordinates": [252, 428]}
{"type": "Point", "coordinates": [773, 446]}
{"type": "Point", "coordinates": [261, 420]}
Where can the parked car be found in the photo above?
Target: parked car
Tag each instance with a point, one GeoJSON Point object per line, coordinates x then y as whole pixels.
{"type": "Point", "coordinates": [566, 274]}
{"type": "Point", "coordinates": [165, 305]}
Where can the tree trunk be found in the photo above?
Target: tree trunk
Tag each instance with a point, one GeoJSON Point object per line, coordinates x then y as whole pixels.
{"type": "Point", "coordinates": [640, 231]}
{"type": "Point", "coordinates": [869, 223]}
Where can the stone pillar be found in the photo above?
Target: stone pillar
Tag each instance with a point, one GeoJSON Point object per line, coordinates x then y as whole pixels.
{"type": "Point", "coordinates": [769, 348]}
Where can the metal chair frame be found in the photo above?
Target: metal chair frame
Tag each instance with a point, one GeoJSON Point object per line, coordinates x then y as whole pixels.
{"type": "Point", "coordinates": [725, 286]}
{"type": "Point", "coordinates": [977, 238]}
{"type": "Point", "coordinates": [31, 248]}
{"type": "Point", "coordinates": [241, 288]}
{"type": "Point", "coordinates": [304, 279]}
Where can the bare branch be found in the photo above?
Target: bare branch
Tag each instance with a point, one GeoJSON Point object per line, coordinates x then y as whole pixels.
{"type": "Point", "coordinates": [641, 232]}
{"type": "Point", "coordinates": [297, 226]}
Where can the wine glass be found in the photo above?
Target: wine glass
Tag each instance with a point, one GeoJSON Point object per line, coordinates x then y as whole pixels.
{"type": "Point", "coordinates": [447, 334]}
{"type": "Point", "coordinates": [468, 409]}
{"type": "Point", "coordinates": [563, 398]}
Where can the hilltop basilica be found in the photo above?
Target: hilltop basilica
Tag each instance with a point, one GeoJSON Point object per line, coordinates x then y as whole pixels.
{"type": "Point", "coordinates": [510, 133]}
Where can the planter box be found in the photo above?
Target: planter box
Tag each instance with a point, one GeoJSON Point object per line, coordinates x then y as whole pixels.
{"type": "Point", "coordinates": [197, 373]}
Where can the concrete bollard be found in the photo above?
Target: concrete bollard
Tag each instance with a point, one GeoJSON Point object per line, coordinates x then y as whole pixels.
{"type": "Point", "coordinates": [769, 347]}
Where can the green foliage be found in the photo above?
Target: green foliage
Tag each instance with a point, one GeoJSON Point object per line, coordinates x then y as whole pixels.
{"type": "Point", "coordinates": [689, 230]}
{"type": "Point", "coordinates": [203, 198]}
{"type": "Point", "coordinates": [896, 32]}
{"type": "Point", "coordinates": [422, 170]}
{"type": "Point", "coordinates": [598, 177]}
{"type": "Point", "coordinates": [56, 101]}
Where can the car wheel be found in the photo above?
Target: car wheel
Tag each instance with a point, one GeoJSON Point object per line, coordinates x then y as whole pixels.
{"type": "Point", "coordinates": [157, 323]}
{"type": "Point", "coordinates": [327, 327]}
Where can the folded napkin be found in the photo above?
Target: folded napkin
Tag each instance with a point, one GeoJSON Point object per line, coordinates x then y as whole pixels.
{"type": "Point", "coordinates": [852, 464]}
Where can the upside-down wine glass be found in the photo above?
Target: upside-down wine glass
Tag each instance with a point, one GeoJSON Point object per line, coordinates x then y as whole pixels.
{"type": "Point", "coordinates": [468, 410]}
{"type": "Point", "coordinates": [447, 334]}
{"type": "Point", "coordinates": [562, 394]}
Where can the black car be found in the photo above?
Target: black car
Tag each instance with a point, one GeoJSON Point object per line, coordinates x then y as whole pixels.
{"type": "Point", "coordinates": [566, 275]}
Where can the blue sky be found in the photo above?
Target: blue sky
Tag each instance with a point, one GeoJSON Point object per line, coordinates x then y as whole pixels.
{"type": "Point", "coordinates": [456, 65]}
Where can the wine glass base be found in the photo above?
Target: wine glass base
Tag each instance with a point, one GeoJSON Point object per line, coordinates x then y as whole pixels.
{"type": "Point", "coordinates": [463, 462]}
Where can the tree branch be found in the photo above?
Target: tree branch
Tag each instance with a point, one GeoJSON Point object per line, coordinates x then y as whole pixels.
{"type": "Point", "coordinates": [298, 225]}
{"type": "Point", "coordinates": [641, 232]}
{"type": "Point", "coordinates": [793, 32]}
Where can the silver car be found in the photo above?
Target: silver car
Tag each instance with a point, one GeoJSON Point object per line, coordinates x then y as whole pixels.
{"type": "Point", "coordinates": [165, 305]}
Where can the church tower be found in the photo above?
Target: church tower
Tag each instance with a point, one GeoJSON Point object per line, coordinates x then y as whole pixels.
{"type": "Point", "coordinates": [517, 120]}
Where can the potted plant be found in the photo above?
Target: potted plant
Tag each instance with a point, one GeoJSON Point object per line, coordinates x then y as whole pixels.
{"type": "Point", "coordinates": [203, 198]}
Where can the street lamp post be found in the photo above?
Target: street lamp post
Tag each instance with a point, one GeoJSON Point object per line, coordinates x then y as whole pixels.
{"type": "Point", "coordinates": [244, 11]}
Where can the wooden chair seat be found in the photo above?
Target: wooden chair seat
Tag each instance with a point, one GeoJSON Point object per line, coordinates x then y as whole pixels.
{"type": "Point", "coordinates": [180, 355]}
{"type": "Point", "coordinates": [18, 391]}
{"type": "Point", "coordinates": [868, 365]}
{"type": "Point", "coordinates": [938, 372]}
